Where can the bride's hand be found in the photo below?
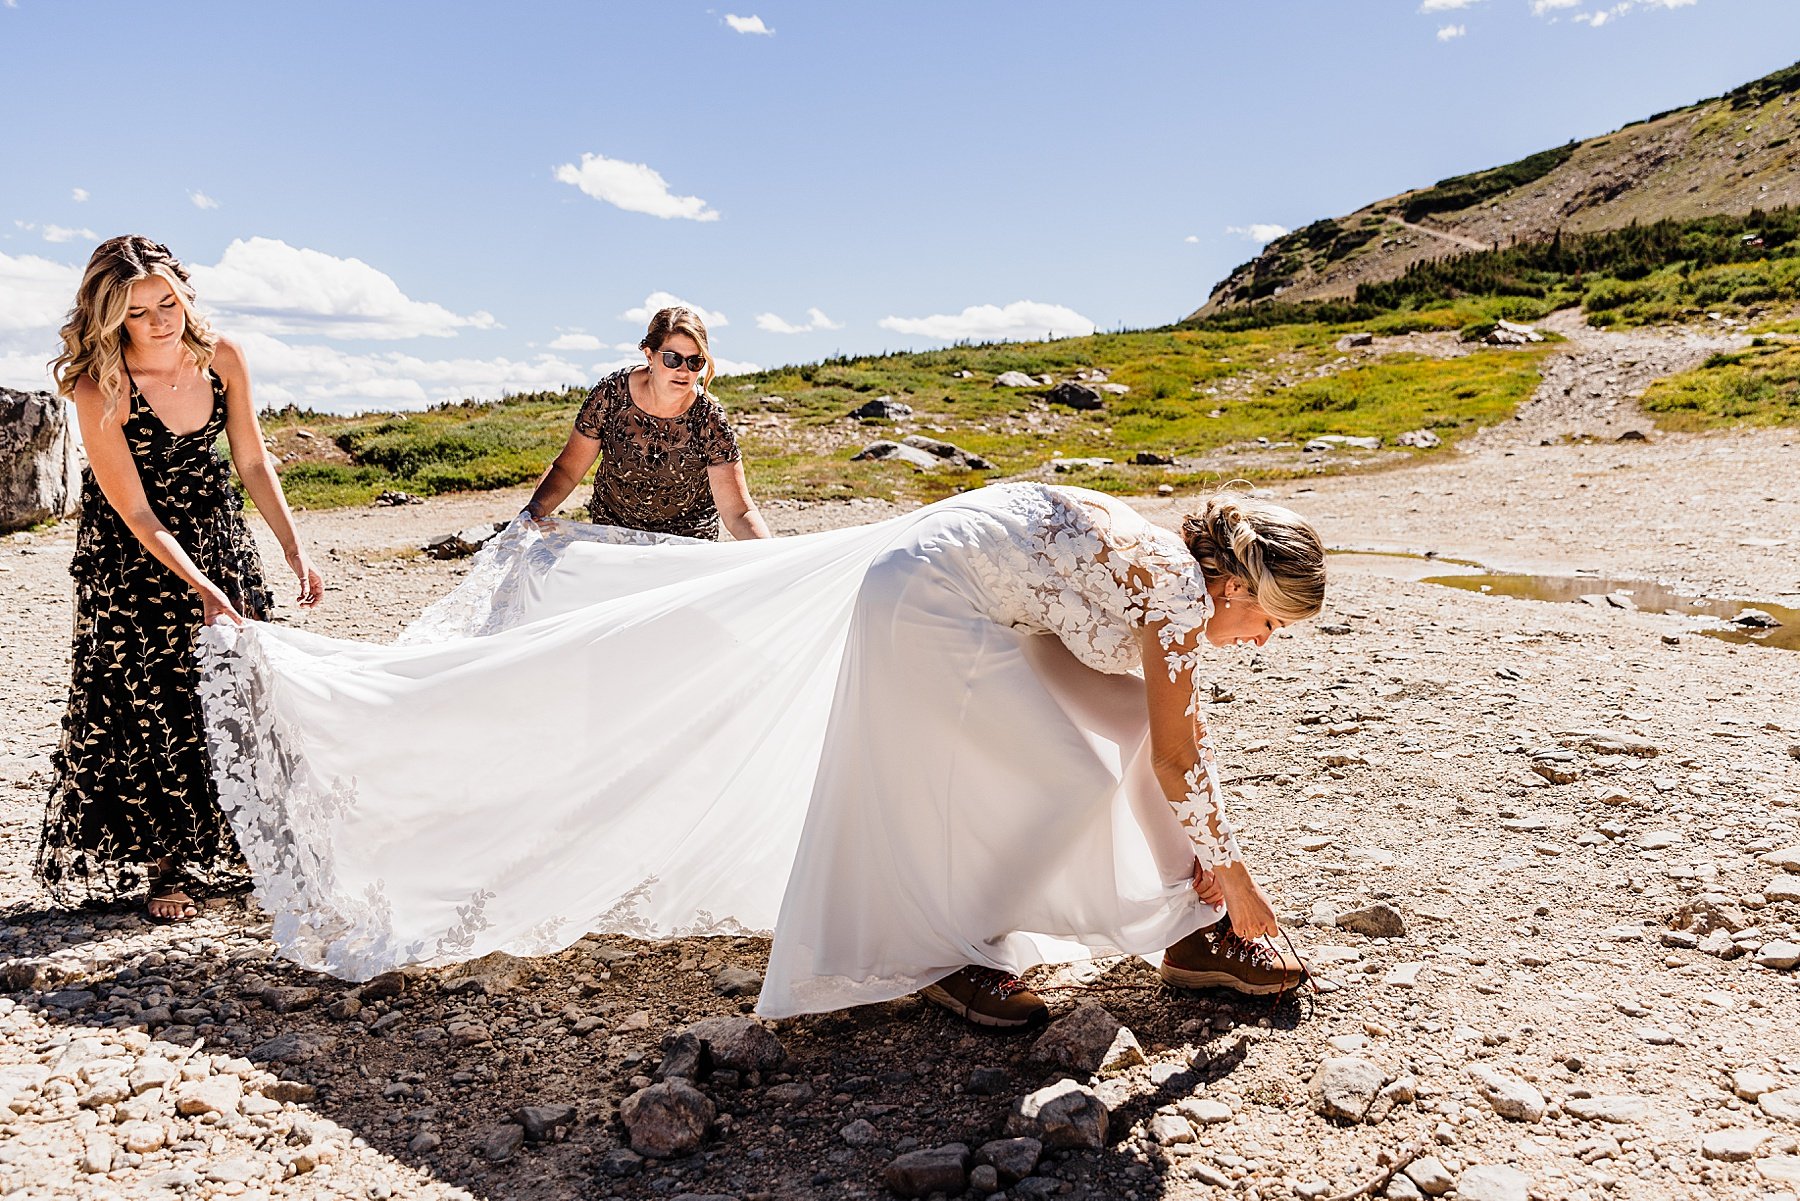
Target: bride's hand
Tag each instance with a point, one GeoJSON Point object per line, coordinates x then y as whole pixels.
{"type": "Point", "coordinates": [1206, 887]}
{"type": "Point", "coordinates": [1252, 916]}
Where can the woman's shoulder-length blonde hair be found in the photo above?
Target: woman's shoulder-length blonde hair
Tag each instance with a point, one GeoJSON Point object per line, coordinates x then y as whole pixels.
{"type": "Point", "coordinates": [94, 337]}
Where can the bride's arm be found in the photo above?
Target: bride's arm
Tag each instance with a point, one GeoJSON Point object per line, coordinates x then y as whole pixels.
{"type": "Point", "coordinates": [1182, 755]}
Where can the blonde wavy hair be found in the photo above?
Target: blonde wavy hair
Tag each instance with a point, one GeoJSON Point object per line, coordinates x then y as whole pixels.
{"type": "Point", "coordinates": [679, 319]}
{"type": "Point", "coordinates": [1272, 551]}
{"type": "Point", "coordinates": [94, 337]}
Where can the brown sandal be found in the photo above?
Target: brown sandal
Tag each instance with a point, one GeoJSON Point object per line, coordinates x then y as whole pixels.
{"type": "Point", "coordinates": [168, 888]}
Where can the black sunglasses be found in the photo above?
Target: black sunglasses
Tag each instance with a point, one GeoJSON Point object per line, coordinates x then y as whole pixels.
{"type": "Point", "coordinates": [672, 360]}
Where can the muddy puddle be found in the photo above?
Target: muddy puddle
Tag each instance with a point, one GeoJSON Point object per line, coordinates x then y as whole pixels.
{"type": "Point", "coordinates": [1718, 618]}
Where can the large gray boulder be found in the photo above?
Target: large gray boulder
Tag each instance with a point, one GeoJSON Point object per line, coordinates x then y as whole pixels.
{"type": "Point", "coordinates": [40, 459]}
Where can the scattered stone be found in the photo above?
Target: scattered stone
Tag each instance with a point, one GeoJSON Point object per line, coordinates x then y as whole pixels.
{"type": "Point", "coordinates": [292, 1046]}
{"type": "Point", "coordinates": [884, 408]}
{"type": "Point", "coordinates": [924, 1172]}
{"type": "Point", "coordinates": [1787, 859]}
{"type": "Point", "coordinates": [860, 1133]}
{"type": "Point", "coordinates": [741, 1044]}
{"type": "Point", "coordinates": [540, 1122]}
{"type": "Point", "coordinates": [1749, 1084]}
{"type": "Point", "coordinates": [1756, 619]}
{"type": "Point", "coordinates": [988, 1082]}
{"type": "Point", "coordinates": [141, 1138]}
{"type": "Point", "coordinates": [667, 1119]}
{"type": "Point", "coordinates": [424, 1143]}
{"type": "Point", "coordinates": [501, 1142]}
{"type": "Point", "coordinates": [1170, 1129]}
{"type": "Point", "coordinates": [1420, 439]}
{"type": "Point", "coordinates": [393, 497]}
{"type": "Point", "coordinates": [1014, 379]}
{"type": "Point", "coordinates": [1403, 975]}
{"type": "Point", "coordinates": [1075, 396]}
{"type": "Point", "coordinates": [287, 998]}
{"type": "Point", "coordinates": [620, 1162]}
{"type": "Point", "coordinates": [1429, 1173]}
{"type": "Point", "coordinates": [384, 987]}
{"type": "Point", "coordinates": [1783, 1104]}
{"type": "Point", "coordinates": [1379, 920]}
{"type": "Point", "coordinates": [1089, 1039]}
{"type": "Point", "coordinates": [1780, 1169]}
{"type": "Point", "coordinates": [1492, 1182]}
{"type": "Point", "coordinates": [1780, 955]}
{"type": "Point", "coordinates": [1352, 341]}
{"type": "Point", "coordinates": [1611, 742]}
{"type": "Point", "coordinates": [239, 1170]}
{"type": "Point", "coordinates": [886, 451]}
{"type": "Point", "coordinates": [1149, 458]}
{"type": "Point", "coordinates": [1732, 1146]}
{"type": "Point", "coordinates": [947, 452]}
{"type": "Point", "coordinates": [215, 1094]}
{"type": "Point", "coordinates": [734, 981]}
{"type": "Point", "coordinates": [1620, 1109]}
{"type": "Point", "coordinates": [97, 1152]}
{"type": "Point", "coordinates": [1064, 1114]}
{"type": "Point", "coordinates": [1509, 1096]}
{"type": "Point", "coordinates": [1344, 1087]}
{"type": "Point", "coordinates": [1012, 1158]}
{"type": "Point", "coordinates": [1204, 1111]}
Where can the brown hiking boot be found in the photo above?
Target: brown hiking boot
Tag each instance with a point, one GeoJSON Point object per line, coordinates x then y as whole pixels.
{"type": "Point", "coordinates": [1214, 957]}
{"type": "Point", "coordinates": [987, 998]}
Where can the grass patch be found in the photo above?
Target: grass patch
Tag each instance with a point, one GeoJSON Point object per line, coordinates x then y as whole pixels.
{"type": "Point", "coordinates": [1755, 387]}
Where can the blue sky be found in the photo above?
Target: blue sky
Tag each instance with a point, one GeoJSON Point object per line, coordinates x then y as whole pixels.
{"type": "Point", "coordinates": [402, 202]}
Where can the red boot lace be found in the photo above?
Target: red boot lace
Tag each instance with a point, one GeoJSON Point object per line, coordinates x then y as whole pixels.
{"type": "Point", "coordinates": [995, 981]}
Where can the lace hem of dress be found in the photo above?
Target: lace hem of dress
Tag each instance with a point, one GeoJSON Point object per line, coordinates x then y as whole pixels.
{"type": "Point", "coordinates": [284, 814]}
{"type": "Point", "coordinates": [492, 596]}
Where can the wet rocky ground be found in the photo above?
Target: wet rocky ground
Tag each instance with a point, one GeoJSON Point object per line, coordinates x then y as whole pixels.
{"type": "Point", "coordinates": [1541, 856]}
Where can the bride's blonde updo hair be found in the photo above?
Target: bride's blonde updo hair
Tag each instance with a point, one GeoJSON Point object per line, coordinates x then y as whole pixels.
{"type": "Point", "coordinates": [94, 337]}
{"type": "Point", "coordinates": [1271, 550]}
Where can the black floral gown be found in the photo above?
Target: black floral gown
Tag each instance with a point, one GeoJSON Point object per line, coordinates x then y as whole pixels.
{"type": "Point", "coordinates": [133, 779]}
{"type": "Point", "coordinates": [652, 473]}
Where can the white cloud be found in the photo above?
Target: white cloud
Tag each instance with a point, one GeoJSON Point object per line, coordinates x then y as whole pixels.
{"type": "Point", "coordinates": [1670, 3]}
{"type": "Point", "coordinates": [747, 24]}
{"type": "Point", "coordinates": [634, 187]}
{"type": "Point", "coordinates": [62, 233]}
{"type": "Point", "coordinates": [576, 342]}
{"type": "Point", "coordinates": [1597, 19]}
{"type": "Point", "coordinates": [1258, 231]}
{"type": "Point", "coordinates": [202, 200]}
{"type": "Point", "coordinates": [265, 285]}
{"type": "Point", "coordinates": [1022, 320]}
{"type": "Point", "coordinates": [1451, 32]}
{"type": "Point", "coordinates": [1443, 6]}
{"type": "Point", "coordinates": [815, 320]}
{"type": "Point", "coordinates": [336, 381]}
{"type": "Point", "coordinates": [1540, 7]}
{"type": "Point", "coordinates": [663, 300]}
{"type": "Point", "coordinates": [79, 195]}
{"type": "Point", "coordinates": [35, 295]}
{"type": "Point", "coordinates": [1192, 239]}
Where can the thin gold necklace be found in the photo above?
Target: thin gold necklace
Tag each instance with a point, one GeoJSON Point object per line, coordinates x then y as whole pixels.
{"type": "Point", "coordinates": [174, 379]}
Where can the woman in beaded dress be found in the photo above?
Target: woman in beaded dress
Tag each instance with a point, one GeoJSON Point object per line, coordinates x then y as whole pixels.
{"type": "Point", "coordinates": [161, 549]}
{"type": "Point", "coordinates": [669, 461]}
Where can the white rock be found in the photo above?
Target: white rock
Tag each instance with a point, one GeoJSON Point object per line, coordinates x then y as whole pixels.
{"type": "Point", "coordinates": [96, 1152]}
{"type": "Point", "coordinates": [1783, 1104]}
{"type": "Point", "coordinates": [1403, 975]}
{"type": "Point", "coordinates": [1492, 1182]}
{"type": "Point", "coordinates": [1780, 1169]}
{"type": "Point", "coordinates": [1429, 1173]}
{"type": "Point", "coordinates": [1509, 1096]}
{"type": "Point", "coordinates": [1170, 1128]}
{"type": "Point", "coordinates": [141, 1138]}
{"type": "Point", "coordinates": [1617, 1108]}
{"type": "Point", "coordinates": [215, 1094]}
{"type": "Point", "coordinates": [1779, 954]}
{"type": "Point", "coordinates": [1732, 1146]}
{"type": "Point", "coordinates": [1749, 1083]}
{"type": "Point", "coordinates": [1204, 1111]}
{"type": "Point", "coordinates": [1787, 858]}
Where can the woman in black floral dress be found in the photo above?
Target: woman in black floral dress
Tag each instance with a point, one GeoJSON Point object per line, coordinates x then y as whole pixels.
{"type": "Point", "coordinates": [161, 549]}
{"type": "Point", "coordinates": [669, 461]}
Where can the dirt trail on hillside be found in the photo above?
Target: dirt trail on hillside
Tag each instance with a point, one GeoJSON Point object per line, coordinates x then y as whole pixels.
{"type": "Point", "coordinates": [1582, 998]}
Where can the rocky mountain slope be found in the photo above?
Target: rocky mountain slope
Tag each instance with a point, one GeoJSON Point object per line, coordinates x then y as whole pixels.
{"type": "Point", "coordinates": [1730, 154]}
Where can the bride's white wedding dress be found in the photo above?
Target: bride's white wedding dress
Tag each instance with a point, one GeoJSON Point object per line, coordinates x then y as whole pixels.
{"type": "Point", "coordinates": [901, 747]}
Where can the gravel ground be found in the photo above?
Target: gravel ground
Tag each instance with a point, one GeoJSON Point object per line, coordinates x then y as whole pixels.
{"type": "Point", "coordinates": [1534, 852]}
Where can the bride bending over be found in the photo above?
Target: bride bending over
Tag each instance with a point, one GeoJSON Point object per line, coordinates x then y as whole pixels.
{"type": "Point", "coordinates": [919, 753]}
